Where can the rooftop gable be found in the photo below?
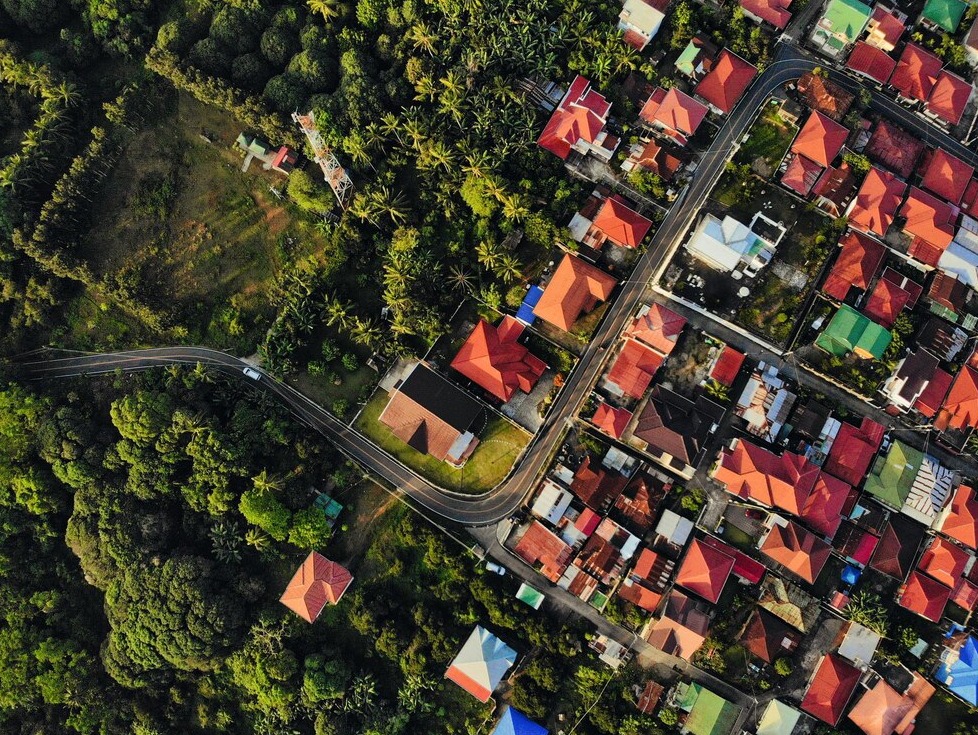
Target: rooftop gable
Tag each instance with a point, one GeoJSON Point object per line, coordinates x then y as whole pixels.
{"type": "Point", "coordinates": [823, 510]}
{"type": "Point", "coordinates": [799, 551]}
{"type": "Point", "coordinates": [830, 689]}
{"type": "Point", "coordinates": [481, 664]}
{"type": "Point", "coordinates": [575, 288]}
{"type": "Point", "coordinates": [961, 520]}
{"type": "Point", "coordinates": [824, 95]}
{"type": "Point", "coordinates": [657, 326]}
{"type": "Point", "coordinates": [960, 409]}
{"type": "Point", "coordinates": [895, 553]}
{"type": "Point", "coordinates": [820, 139]}
{"type": "Point", "coordinates": [705, 571]}
{"type": "Point", "coordinates": [727, 81]}
{"type": "Point", "coordinates": [871, 62]}
{"type": "Point", "coordinates": [611, 420]}
{"type": "Point", "coordinates": [925, 596]}
{"type": "Point", "coordinates": [768, 637]}
{"type": "Point", "coordinates": [750, 471]}
{"type": "Point", "coordinates": [676, 111]}
{"type": "Point", "coordinates": [620, 223]}
{"type": "Point", "coordinates": [877, 201]}
{"type": "Point", "coordinates": [853, 450]}
{"type": "Point", "coordinates": [886, 302]}
{"type": "Point", "coordinates": [944, 561]}
{"type": "Point", "coordinates": [801, 175]}
{"type": "Point", "coordinates": [945, 14]}
{"type": "Point", "coordinates": [634, 368]}
{"type": "Point", "coordinates": [949, 97]}
{"type": "Point", "coordinates": [845, 18]}
{"type": "Point", "coordinates": [884, 28]}
{"type": "Point", "coordinates": [947, 176]}
{"type": "Point", "coordinates": [774, 12]}
{"type": "Point", "coordinates": [916, 72]}
{"type": "Point", "coordinates": [492, 358]}
{"type": "Point", "coordinates": [893, 474]}
{"type": "Point", "coordinates": [317, 582]}
{"type": "Point", "coordinates": [859, 260]}
{"type": "Point", "coordinates": [581, 115]}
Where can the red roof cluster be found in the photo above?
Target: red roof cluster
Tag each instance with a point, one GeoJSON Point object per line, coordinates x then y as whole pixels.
{"type": "Point", "coordinates": [858, 261]}
{"type": "Point", "coordinates": [830, 689]}
{"type": "Point", "coordinates": [853, 450]}
{"type": "Point", "coordinates": [946, 175]}
{"type": "Point", "coordinates": [820, 139]}
{"type": "Point", "coordinates": [949, 97]}
{"type": "Point", "coordinates": [634, 368]}
{"type": "Point", "coordinates": [727, 81]}
{"type": "Point", "coordinates": [960, 409]}
{"type": "Point", "coordinates": [930, 221]}
{"type": "Point", "coordinates": [823, 510]}
{"type": "Point", "coordinates": [886, 302]}
{"type": "Point", "coordinates": [612, 421]}
{"type": "Point", "coordinates": [581, 115]}
{"type": "Point", "coordinates": [877, 202]}
{"type": "Point", "coordinates": [916, 72]}
{"type": "Point", "coordinates": [705, 570]}
{"type": "Point", "coordinates": [492, 358]}
{"type": "Point", "coordinates": [871, 62]}
{"type": "Point", "coordinates": [620, 223]}
{"type": "Point", "coordinates": [750, 471]}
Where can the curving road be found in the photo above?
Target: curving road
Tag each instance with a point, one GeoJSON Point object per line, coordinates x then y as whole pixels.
{"type": "Point", "coordinates": [490, 507]}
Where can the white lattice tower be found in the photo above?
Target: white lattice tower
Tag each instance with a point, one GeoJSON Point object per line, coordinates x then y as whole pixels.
{"type": "Point", "coordinates": [335, 174]}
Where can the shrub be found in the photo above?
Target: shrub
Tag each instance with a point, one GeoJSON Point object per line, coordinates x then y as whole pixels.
{"type": "Point", "coordinates": [340, 407]}
{"type": "Point", "coordinates": [782, 667]}
{"type": "Point", "coordinates": [350, 362]}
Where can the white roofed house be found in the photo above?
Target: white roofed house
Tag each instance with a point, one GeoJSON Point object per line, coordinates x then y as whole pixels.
{"type": "Point", "coordinates": [730, 246]}
{"type": "Point", "coordinates": [640, 21]}
{"type": "Point", "coordinates": [481, 664]}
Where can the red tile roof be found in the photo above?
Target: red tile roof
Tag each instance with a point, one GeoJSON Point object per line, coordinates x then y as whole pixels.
{"type": "Point", "coordinates": [944, 561]}
{"type": "Point", "coordinates": [897, 547]}
{"type": "Point", "coordinates": [960, 409]}
{"type": "Point", "coordinates": [611, 420]}
{"type": "Point", "coordinates": [597, 488]}
{"type": "Point", "coordinates": [949, 97]}
{"type": "Point", "coordinates": [727, 366]}
{"type": "Point", "coordinates": [581, 115]}
{"type": "Point", "coordinates": [823, 510]}
{"type": "Point", "coordinates": [317, 583]}
{"type": "Point", "coordinates": [726, 82]}
{"type": "Point", "coordinates": [965, 595]}
{"type": "Point", "coordinates": [634, 368]}
{"type": "Point", "coordinates": [575, 288]}
{"type": "Point", "coordinates": [797, 550]}
{"type": "Point", "coordinates": [620, 223]}
{"type": "Point", "coordinates": [858, 261]}
{"type": "Point", "coordinates": [750, 471]}
{"type": "Point", "coordinates": [931, 223]}
{"type": "Point", "coordinates": [970, 201]}
{"type": "Point", "coordinates": [659, 327]}
{"type": "Point", "coordinates": [916, 72]}
{"type": "Point", "coordinates": [820, 139]}
{"type": "Point", "coordinates": [748, 569]}
{"type": "Point", "coordinates": [661, 160]}
{"type": "Point", "coordinates": [544, 550]}
{"type": "Point", "coordinates": [924, 596]}
{"type": "Point", "coordinates": [946, 175]}
{"type": "Point", "coordinates": [853, 450]}
{"type": "Point", "coordinates": [705, 571]}
{"type": "Point", "coordinates": [801, 175]}
{"type": "Point", "coordinates": [834, 188]}
{"type": "Point", "coordinates": [894, 147]}
{"type": "Point", "coordinates": [824, 95]}
{"type": "Point", "coordinates": [674, 110]}
{"type": "Point", "coordinates": [774, 12]}
{"type": "Point", "coordinates": [871, 62]}
{"type": "Point", "coordinates": [913, 289]}
{"type": "Point", "coordinates": [886, 302]}
{"type": "Point", "coordinates": [961, 523]}
{"type": "Point", "coordinates": [882, 710]}
{"type": "Point", "coordinates": [886, 25]}
{"type": "Point", "coordinates": [830, 689]}
{"type": "Point", "coordinates": [929, 402]}
{"type": "Point", "coordinates": [877, 202]}
{"type": "Point", "coordinates": [768, 637]}
{"type": "Point", "coordinates": [492, 358]}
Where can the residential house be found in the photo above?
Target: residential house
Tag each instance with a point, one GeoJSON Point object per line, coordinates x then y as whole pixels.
{"type": "Point", "coordinates": [674, 530]}
{"type": "Point", "coordinates": [492, 358]}
{"type": "Point", "coordinates": [943, 15]}
{"type": "Point", "coordinates": [697, 58]}
{"type": "Point", "coordinates": [801, 174]}
{"type": "Point", "coordinates": [765, 403]}
{"type": "Point", "coordinates": [840, 25]}
{"type": "Point", "coordinates": [657, 326]}
{"type": "Point", "coordinates": [945, 561]}
{"type": "Point", "coordinates": [657, 158]}
{"type": "Point", "coordinates": [318, 582]}
{"type": "Point", "coordinates": [857, 264]}
{"type": "Point", "coordinates": [673, 113]}
{"type": "Point", "coordinates": [773, 12]}
{"type": "Point", "coordinates": [892, 294]}
{"type": "Point", "coordinates": [960, 409]}
{"type": "Point", "coordinates": [619, 224]}
{"type": "Point", "coordinates": [481, 664]}
{"type": "Point", "coordinates": [750, 471]}
{"type": "Point", "coordinates": [788, 602]}
{"type": "Point", "coordinates": [930, 222]}
{"type": "Point", "coordinates": [682, 627]}
{"type": "Point", "coordinates": [636, 508]}
{"type": "Point", "coordinates": [674, 429]}
{"type": "Point", "coordinates": [707, 713]}
{"type": "Point", "coordinates": [778, 719]}
{"type": "Point", "coordinates": [830, 689]}
{"type": "Point", "coordinates": [544, 550]}
{"type": "Point", "coordinates": [882, 710]}
{"type": "Point", "coordinates": [898, 546]}
{"type": "Point", "coordinates": [849, 332]}
{"type": "Point", "coordinates": [282, 159]}
{"type": "Point", "coordinates": [910, 481]}
{"type": "Point", "coordinates": [768, 637]}
{"type": "Point", "coordinates": [597, 488]}
{"type": "Point", "coordinates": [958, 669]}
{"type": "Point", "coordinates": [795, 549]}
{"type": "Point", "coordinates": [853, 450]}
{"type": "Point", "coordinates": [916, 73]}
{"type": "Point", "coordinates": [959, 520]}
{"type": "Point", "coordinates": [611, 420]}
{"type": "Point", "coordinates": [647, 581]}
{"type": "Point", "coordinates": [896, 148]}
{"type": "Point", "coordinates": [729, 246]}
{"type": "Point", "coordinates": [726, 82]}
{"type": "Point", "coordinates": [575, 288]}
{"type": "Point", "coordinates": [942, 339]}
{"type": "Point", "coordinates": [877, 201]}
{"type": "Point", "coordinates": [433, 416]}
{"type": "Point", "coordinates": [551, 502]}
{"type": "Point", "coordinates": [727, 365]}
{"type": "Point", "coordinates": [912, 376]}
{"type": "Point", "coordinates": [946, 175]}
{"type": "Point", "coordinates": [824, 508]}
{"type": "Point", "coordinates": [705, 571]}
{"type": "Point", "coordinates": [857, 644]}
{"type": "Point", "coordinates": [514, 722]}
{"type": "Point", "coordinates": [871, 62]}
{"type": "Point", "coordinates": [834, 189]}
{"type": "Point", "coordinates": [640, 21]}
{"type": "Point", "coordinates": [948, 295]}
{"type": "Point", "coordinates": [578, 124]}
{"type": "Point", "coordinates": [820, 139]}
{"type": "Point", "coordinates": [825, 96]}
{"type": "Point", "coordinates": [948, 98]}
{"type": "Point", "coordinates": [632, 371]}
{"type": "Point", "coordinates": [924, 596]}
{"type": "Point", "coordinates": [885, 27]}
{"type": "Point", "coordinates": [970, 42]}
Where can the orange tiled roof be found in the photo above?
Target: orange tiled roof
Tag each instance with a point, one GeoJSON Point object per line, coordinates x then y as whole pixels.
{"type": "Point", "coordinates": [659, 328]}
{"type": "Point", "coordinates": [830, 689]}
{"type": "Point", "coordinates": [885, 27]}
{"type": "Point", "coordinates": [824, 95]}
{"type": "Point", "coordinates": [883, 710]}
{"type": "Point", "coordinates": [620, 223]}
{"type": "Point", "coordinates": [916, 72]}
{"type": "Point", "coordinates": [801, 175]}
{"type": "Point", "coordinates": [820, 139]}
{"type": "Point", "coordinates": [575, 288]}
{"type": "Point", "coordinates": [581, 115]}
{"type": "Point", "coordinates": [705, 571]}
{"type": "Point", "coordinates": [949, 97]}
{"type": "Point", "coordinates": [611, 420]}
{"type": "Point", "coordinates": [924, 596]}
{"type": "Point", "coordinates": [930, 221]}
{"type": "Point", "coordinates": [797, 550]}
{"type": "Point", "coordinates": [544, 550]}
{"type": "Point", "coordinates": [961, 523]}
{"type": "Point", "coordinates": [675, 110]}
{"type": "Point", "coordinates": [317, 583]}
{"type": "Point", "coordinates": [877, 201]}
{"type": "Point", "coordinates": [823, 510]}
{"type": "Point", "coordinates": [727, 81]}
{"type": "Point", "coordinates": [944, 561]}
{"type": "Point", "coordinates": [886, 302]}
{"type": "Point", "coordinates": [493, 359]}
{"type": "Point", "coordinates": [858, 261]}
{"type": "Point", "coordinates": [960, 409]}
{"type": "Point", "coordinates": [750, 471]}
{"type": "Point", "coordinates": [947, 176]}
{"type": "Point", "coordinates": [634, 368]}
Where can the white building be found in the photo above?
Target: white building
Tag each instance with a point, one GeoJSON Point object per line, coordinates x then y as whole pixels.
{"type": "Point", "coordinates": [640, 21]}
{"type": "Point", "coordinates": [730, 246]}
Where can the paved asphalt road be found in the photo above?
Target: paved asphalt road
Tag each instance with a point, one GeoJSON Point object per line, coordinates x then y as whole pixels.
{"type": "Point", "coordinates": [488, 508]}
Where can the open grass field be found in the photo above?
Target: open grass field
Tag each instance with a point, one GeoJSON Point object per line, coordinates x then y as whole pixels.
{"type": "Point", "coordinates": [192, 235]}
{"type": "Point", "coordinates": [769, 139]}
{"type": "Point", "coordinates": [500, 443]}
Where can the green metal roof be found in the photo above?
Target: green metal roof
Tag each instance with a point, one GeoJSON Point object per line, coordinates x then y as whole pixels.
{"type": "Point", "coordinates": [709, 713]}
{"type": "Point", "coordinates": [530, 595]}
{"type": "Point", "coordinates": [945, 13]}
{"type": "Point", "coordinates": [327, 505]}
{"type": "Point", "coordinates": [687, 59]}
{"type": "Point", "coordinates": [874, 340]}
{"type": "Point", "coordinates": [849, 331]}
{"type": "Point", "coordinates": [893, 475]}
{"type": "Point", "coordinates": [847, 18]}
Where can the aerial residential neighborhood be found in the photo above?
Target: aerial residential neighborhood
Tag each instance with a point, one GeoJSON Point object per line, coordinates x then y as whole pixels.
{"type": "Point", "coordinates": [491, 368]}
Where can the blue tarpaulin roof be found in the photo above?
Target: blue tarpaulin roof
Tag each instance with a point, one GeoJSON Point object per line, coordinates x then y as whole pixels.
{"type": "Point", "coordinates": [525, 314]}
{"type": "Point", "coordinates": [961, 677]}
{"type": "Point", "coordinates": [514, 722]}
{"type": "Point", "coordinates": [851, 574]}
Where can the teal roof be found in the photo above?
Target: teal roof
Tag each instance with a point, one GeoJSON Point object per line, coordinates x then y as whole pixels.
{"type": "Point", "coordinates": [709, 713]}
{"type": "Point", "coordinates": [850, 331]}
{"type": "Point", "coordinates": [893, 475]}
{"type": "Point", "coordinates": [330, 507]}
{"type": "Point", "coordinates": [687, 59]}
{"type": "Point", "coordinates": [254, 144]}
{"type": "Point", "coordinates": [846, 18]}
{"type": "Point", "coordinates": [945, 13]}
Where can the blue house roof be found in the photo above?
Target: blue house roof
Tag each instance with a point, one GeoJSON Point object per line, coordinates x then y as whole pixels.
{"type": "Point", "coordinates": [961, 676]}
{"type": "Point", "coordinates": [525, 314]}
{"type": "Point", "coordinates": [514, 722]}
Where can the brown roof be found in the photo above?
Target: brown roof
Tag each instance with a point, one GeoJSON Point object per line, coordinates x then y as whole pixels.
{"type": "Point", "coordinates": [858, 261]}
{"type": "Point", "coordinates": [948, 291]}
{"type": "Point", "coordinates": [575, 288]}
{"type": "Point", "coordinates": [682, 628]}
{"type": "Point", "coordinates": [769, 637]}
{"type": "Point", "coordinates": [596, 488]}
{"type": "Point", "coordinates": [544, 550]}
{"type": "Point", "coordinates": [317, 583]}
{"type": "Point", "coordinates": [797, 550]}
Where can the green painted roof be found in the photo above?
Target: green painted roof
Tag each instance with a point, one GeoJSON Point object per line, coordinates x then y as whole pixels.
{"type": "Point", "coordinates": [687, 59]}
{"type": "Point", "coordinates": [849, 331]}
{"type": "Point", "coordinates": [945, 13]}
{"type": "Point", "coordinates": [530, 595]}
{"type": "Point", "coordinates": [709, 713]}
{"type": "Point", "coordinates": [874, 340]}
{"type": "Point", "coordinates": [892, 475]}
{"type": "Point", "coordinates": [847, 18]}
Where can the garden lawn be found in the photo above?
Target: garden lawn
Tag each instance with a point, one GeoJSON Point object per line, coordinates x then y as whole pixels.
{"type": "Point", "coordinates": [500, 443]}
{"type": "Point", "coordinates": [769, 139]}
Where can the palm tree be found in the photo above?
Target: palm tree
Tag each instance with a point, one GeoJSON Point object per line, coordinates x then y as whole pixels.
{"type": "Point", "coordinates": [460, 279]}
{"type": "Point", "coordinates": [366, 332]}
{"type": "Point", "coordinates": [423, 37]}
{"type": "Point", "coordinates": [329, 9]}
{"type": "Point", "coordinates": [509, 268]}
{"type": "Point", "coordinates": [384, 201]}
{"type": "Point", "coordinates": [336, 312]}
{"type": "Point", "coordinates": [65, 92]}
{"type": "Point", "coordinates": [265, 482]}
{"type": "Point", "coordinates": [487, 253]}
{"type": "Point", "coordinates": [514, 209]}
{"type": "Point", "coordinates": [361, 696]}
{"type": "Point", "coordinates": [257, 539]}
